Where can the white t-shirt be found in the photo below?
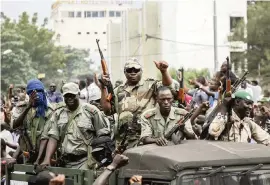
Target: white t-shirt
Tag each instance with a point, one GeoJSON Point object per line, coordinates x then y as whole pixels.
{"type": "Point", "coordinates": [91, 93]}
{"type": "Point", "coordinates": [7, 136]}
{"type": "Point", "coordinates": [257, 91]}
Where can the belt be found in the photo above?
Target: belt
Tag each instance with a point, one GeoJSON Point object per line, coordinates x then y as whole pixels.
{"type": "Point", "coordinates": [73, 157]}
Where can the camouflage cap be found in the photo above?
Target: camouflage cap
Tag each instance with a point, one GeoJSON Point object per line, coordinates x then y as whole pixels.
{"type": "Point", "coordinates": [242, 94]}
{"type": "Point", "coordinates": [133, 63]}
{"type": "Point", "coordinates": [70, 88]}
{"type": "Point", "coordinates": [125, 117]}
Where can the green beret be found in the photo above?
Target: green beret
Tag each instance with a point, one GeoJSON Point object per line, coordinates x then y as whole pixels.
{"type": "Point", "coordinates": [242, 94]}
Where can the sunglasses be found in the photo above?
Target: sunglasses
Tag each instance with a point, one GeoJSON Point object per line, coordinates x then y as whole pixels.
{"type": "Point", "coordinates": [132, 70]}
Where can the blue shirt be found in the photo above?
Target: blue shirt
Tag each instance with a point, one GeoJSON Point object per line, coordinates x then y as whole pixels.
{"type": "Point", "coordinates": [213, 99]}
{"type": "Point", "coordinates": [54, 97]}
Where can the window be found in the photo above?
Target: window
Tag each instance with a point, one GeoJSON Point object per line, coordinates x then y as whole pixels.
{"type": "Point", "coordinates": [95, 14]}
{"type": "Point", "coordinates": [118, 14]}
{"type": "Point", "coordinates": [104, 32]}
{"type": "Point", "coordinates": [102, 14]}
{"type": "Point", "coordinates": [111, 13]}
{"type": "Point", "coordinates": [238, 62]}
{"type": "Point", "coordinates": [95, 32]}
{"type": "Point", "coordinates": [79, 14]}
{"type": "Point", "coordinates": [87, 33]}
{"type": "Point", "coordinates": [79, 33]}
{"type": "Point", "coordinates": [87, 14]}
{"type": "Point", "coordinates": [234, 21]}
{"type": "Point", "coordinates": [71, 14]}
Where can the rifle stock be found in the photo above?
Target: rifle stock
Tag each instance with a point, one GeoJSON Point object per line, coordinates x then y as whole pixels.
{"type": "Point", "coordinates": [105, 71]}
{"type": "Point", "coordinates": [228, 79]}
{"type": "Point", "coordinates": [181, 92]}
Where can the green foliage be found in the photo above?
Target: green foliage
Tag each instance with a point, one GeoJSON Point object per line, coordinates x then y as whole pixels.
{"type": "Point", "coordinates": [34, 51]}
{"type": "Point", "coordinates": [189, 74]}
{"type": "Point", "coordinates": [258, 40]}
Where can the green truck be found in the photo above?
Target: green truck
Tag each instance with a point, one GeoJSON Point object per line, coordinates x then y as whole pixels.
{"type": "Point", "coordinates": [194, 162]}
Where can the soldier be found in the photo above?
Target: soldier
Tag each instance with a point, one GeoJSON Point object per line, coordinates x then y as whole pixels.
{"type": "Point", "coordinates": [73, 128]}
{"type": "Point", "coordinates": [241, 128]}
{"type": "Point", "coordinates": [32, 119]}
{"type": "Point", "coordinates": [133, 97]}
{"type": "Point", "coordinates": [160, 120]}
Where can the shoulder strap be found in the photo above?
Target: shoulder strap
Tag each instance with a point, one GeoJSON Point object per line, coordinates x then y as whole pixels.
{"type": "Point", "coordinates": [71, 117]}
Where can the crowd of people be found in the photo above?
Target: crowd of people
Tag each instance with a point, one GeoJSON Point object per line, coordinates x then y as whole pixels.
{"type": "Point", "coordinates": [85, 126]}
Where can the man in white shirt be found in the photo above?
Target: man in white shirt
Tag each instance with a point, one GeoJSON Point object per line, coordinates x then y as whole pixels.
{"type": "Point", "coordinates": [256, 89]}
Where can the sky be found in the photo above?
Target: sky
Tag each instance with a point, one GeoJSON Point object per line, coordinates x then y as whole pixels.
{"type": "Point", "coordinates": [13, 8]}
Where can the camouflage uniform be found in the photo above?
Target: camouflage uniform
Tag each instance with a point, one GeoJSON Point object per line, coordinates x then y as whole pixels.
{"type": "Point", "coordinates": [33, 125]}
{"type": "Point", "coordinates": [241, 130]}
{"type": "Point", "coordinates": [155, 126]}
{"type": "Point", "coordinates": [88, 123]}
{"type": "Point", "coordinates": [134, 100]}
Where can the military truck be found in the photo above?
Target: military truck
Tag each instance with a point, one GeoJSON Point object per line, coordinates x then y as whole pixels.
{"type": "Point", "coordinates": [194, 162]}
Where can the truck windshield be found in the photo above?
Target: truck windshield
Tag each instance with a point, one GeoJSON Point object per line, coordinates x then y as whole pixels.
{"type": "Point", "coordinates": [261, 177]}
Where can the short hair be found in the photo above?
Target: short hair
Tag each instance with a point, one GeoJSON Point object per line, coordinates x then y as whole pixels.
{"type": "Point", "coordinates": [90, 78]}
{"type": "Point", "coordinates": [163, 88]}
{"type": "Point", "coordinates": [43, 178]}
{"type": "Point", "coordinates": [82, 84]}
{"type": "Point", "coordinates": [201, 79]}
{"type": "Point", "coordinates": [255, 82]}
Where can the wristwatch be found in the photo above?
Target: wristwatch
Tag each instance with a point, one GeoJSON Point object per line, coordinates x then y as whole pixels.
{"type": "Point", "coordinates": [110, 167]}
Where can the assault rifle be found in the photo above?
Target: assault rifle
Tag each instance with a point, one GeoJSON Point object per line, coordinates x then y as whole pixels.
{"type": "Point", "coordinates": [109, 86]}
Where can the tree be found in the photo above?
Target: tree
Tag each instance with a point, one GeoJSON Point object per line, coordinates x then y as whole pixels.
{"type": "Point", "coordinates": [34, 51]}
{"type": "Point", "coordinates": [189, 74]}
{"type": "Point", "coordinates": [15, 66]}
{"type": "Point", "coordinates": [257, 39]}
{"type": "Point", "coordinates": [76, 64]}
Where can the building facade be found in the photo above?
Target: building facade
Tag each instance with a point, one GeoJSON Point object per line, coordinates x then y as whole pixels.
{"type": "Point", "coordinates": [78, 23]}
{"type": "Point", "coordinates": [181, 33]}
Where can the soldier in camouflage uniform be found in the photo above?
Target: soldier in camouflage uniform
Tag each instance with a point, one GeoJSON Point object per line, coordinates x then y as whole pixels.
{"type": "Point", "coordinates": [133, 97]}
{"type": "Point", "coordinates": [73, 128]}
{"type": "Point", "coordinates": [32, 118]}
{"type": "Point", "coordinates": [241, 128]}
{"type": "Point", "coordinates": [158, 121]}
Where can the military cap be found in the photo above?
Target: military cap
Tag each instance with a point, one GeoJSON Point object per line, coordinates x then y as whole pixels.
{"type": "Point", "coordinates": [71, 88]}
{"type": "Point", "coordinates": [133, 63]}
{"type": "Point", "coordinates": [242, 94]}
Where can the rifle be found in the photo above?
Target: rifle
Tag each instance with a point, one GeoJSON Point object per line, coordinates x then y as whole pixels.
{"type": "Point", "coordinates": [181, 92]}
{"type": "Point", "coordinates": [179, 125]}
{"type": "Point", "coordinates": [109, 87]}
{"type": "Point", "coordinates": [31, 154]}
{"type": "Point", "coordinates": [215, 111]}
{"type": "Point", "coordinates": [228, 94]}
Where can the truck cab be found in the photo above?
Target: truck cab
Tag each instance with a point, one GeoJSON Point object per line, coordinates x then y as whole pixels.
{"type": "Point", "coordinates": [199, 162]}
{"type": "Point", "coordinates": [193, 162]}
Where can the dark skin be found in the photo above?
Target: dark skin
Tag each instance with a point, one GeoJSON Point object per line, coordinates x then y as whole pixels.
{"type": "Point", "coordinates": [164, 99]}
{"type": "Point", "coordinates": [72, 103]}
{"type": "Point", "coordinates": [52, 87]}
{"type": "Point", "coordinates": [33, 97]}
{"type": "Point", "coordinates": [224, 67]}
{"type": "Point", "coordinates": [118, 162]}
{"type": "Point", "coordinates": [132, 80]}
{"type": "Point", "coordinates": [241, 107]}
